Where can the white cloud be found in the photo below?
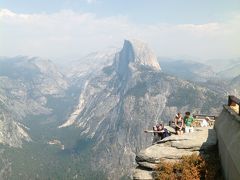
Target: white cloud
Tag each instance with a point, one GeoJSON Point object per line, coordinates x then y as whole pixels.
{"type": "Point", "coordinates": [68, 34]}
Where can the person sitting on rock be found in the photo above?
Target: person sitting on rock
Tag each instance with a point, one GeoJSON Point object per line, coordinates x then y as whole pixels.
{"type": "Point", "coordinates": [205, 123]}
{"type": "Point", "coordinates": [188, 120]}
{"type": "Point", "coordinates": [156, 135]}
{"type": "Point", "coordinates": [159, 132]}
{"type": "Point", "coordinates": [164, 132]}
{"type": "Point", "coordinates": [179, 124]}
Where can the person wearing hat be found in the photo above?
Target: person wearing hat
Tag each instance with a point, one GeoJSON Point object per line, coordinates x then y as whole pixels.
{"type": "Point", "coordinates": [205, 123]}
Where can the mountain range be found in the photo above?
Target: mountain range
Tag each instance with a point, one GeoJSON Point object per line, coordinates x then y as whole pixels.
{"type": "Point", "coordinates": [97, 107]}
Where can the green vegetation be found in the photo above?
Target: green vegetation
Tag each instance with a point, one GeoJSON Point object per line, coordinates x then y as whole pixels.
{"type": "Point", "coordinates": [41, 161]}
{"type": "Point", "coordinates": [108, 70]}
{"type": "Point", "coordinates": [139, 90]}
{"type": "Point", "coordinates": [184, 96]}
{"type": "Point", "coordinates": [212, 101]}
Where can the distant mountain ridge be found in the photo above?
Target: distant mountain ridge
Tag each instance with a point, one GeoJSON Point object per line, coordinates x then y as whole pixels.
{"type": "Point", "coordinates": [189, 70]}
{"type": "Point", "coordinates": [88, 64]}
{"type": "Point", "coordinates": [230, 72]}
{"type": "Point", "coordinates": [235, 86]}
{"type": "Point", "coordinates": [225, 69]}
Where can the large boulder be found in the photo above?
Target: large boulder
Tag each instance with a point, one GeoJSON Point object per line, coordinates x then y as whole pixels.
{"type": "Point", "coordinates": [142, 174]}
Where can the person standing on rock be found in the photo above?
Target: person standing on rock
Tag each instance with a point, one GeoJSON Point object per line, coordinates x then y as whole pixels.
{"type": "Point", "coordinates": [179, 124]}
{"type": "Point", "coordinates": [188, 120]}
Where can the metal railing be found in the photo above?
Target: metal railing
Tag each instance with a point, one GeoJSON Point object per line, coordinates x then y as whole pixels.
{"type": "Point", "coordinates": [200, 117]}
{"type": "Point", "coordinates": [234, 103]}
{"type": "Point", "coordinates": [203, 116]}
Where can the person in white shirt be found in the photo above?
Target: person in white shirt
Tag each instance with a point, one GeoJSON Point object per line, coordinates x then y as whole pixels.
{"type": "Point", "coordinates": [205, 123]}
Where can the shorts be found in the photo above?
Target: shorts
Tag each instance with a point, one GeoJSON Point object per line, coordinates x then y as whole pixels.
{"type": "Point", "coordinates": [178, 129]}
{"type": "Point", "coordinates": [188, 129]}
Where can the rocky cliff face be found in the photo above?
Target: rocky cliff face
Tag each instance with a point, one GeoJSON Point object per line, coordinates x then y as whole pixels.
{"type": "Point", "coordinates": [134, 54]}
{"type": "Point", "coordinates": [12, 133]}
{"type": "Point", "coordinates": [125, 98]}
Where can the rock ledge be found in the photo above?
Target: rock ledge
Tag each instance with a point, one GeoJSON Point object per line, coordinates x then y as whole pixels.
{"type": "Point", "coordinates": [172, 149]}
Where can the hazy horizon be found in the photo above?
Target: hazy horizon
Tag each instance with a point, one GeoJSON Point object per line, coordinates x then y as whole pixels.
{"type": "Point", "coordinates": [70, 29]}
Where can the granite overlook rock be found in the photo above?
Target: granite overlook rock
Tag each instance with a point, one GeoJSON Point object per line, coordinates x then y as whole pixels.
{"type": "Point", "coordinates": [135, 53]}
{"type": "Point", "coordinates": [172, 148]}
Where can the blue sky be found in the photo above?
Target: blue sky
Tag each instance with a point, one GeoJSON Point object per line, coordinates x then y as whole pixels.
{"type": "Point", "coordinates": [202, 29]}
{"type": "Point", "coordinates": [142, 11]}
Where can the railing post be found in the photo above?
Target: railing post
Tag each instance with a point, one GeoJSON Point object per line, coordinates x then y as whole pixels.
{"type": "Point", "coordinates": [239, 109]}
{"type": "Point", "coordinates": [229, 100]}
